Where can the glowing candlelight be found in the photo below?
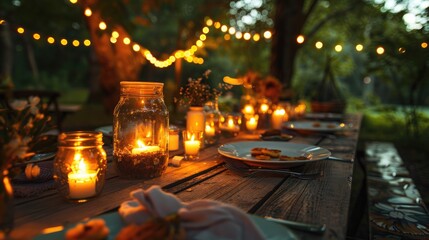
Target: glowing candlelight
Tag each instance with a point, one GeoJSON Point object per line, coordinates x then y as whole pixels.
{"type": "Point", "coordinates": [192, 146]}
{"type": "Point", "coordinates": [142, 148]}
{"type": "Point", "coordinates": [264, 108]}
{"type": "Point", "coordinates": [252, 123]}
{"type": "Point", "coordinates": [248, 110]}
{"type": "Point", "coordinates": [277, 118]}
{"type": "Point", "coordinates": [210, 130]}
{"type": "Point", "coordinates": [82, 182]}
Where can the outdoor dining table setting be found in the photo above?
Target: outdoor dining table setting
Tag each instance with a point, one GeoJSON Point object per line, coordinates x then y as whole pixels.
{"type": "Point", "coordinates": [292, 181]}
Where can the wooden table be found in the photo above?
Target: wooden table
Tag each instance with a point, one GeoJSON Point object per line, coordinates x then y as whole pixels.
{"type": "Point", "coordinates": [321, 200]}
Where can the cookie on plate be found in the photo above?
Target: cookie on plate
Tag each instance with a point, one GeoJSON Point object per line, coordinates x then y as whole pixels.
{"type": "Point", "coordinates": [274, 153]}
{"type": "Point", "coordinates": [257, 151]}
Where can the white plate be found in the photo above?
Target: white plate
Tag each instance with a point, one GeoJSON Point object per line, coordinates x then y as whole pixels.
{"type": "Point", "coordinates": [315, 126]}
{"type": "Point", "coordinates": [241, 151]}
{"type": "Point", "coordinates": [324, 116]}
{"type": "Point", "coordinates": [271, 231]}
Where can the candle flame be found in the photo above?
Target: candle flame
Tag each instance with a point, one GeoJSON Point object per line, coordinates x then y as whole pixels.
{"type": "Point", "coordinates": [140, 144]}
{"type": "Point", "coordinates": [230, 122]}
{"type": "Point", "coordinates": [79, 165]}
{"type": "Point", "coordinates": [264, 108]}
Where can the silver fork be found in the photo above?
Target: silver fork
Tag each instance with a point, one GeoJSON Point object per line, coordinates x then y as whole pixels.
{"type": "Point", "coordinates": [246, 171]}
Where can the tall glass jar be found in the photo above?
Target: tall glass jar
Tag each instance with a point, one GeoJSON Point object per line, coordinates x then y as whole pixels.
{"type": "Point", "coordinates": [80, 165]}
{"type": "Point", "coordinates": [212, 119]}
{"type": "Point", "coordinates": [140, 131]}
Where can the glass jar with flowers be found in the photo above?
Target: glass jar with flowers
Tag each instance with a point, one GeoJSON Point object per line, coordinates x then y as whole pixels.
{"type": "Point", "coordinates": [21, 126]}
{"type": "Point", "coordinates": [195, 94]}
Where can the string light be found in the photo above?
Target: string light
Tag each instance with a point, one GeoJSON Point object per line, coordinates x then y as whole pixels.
{"type": "Point", "coordinates": [102, 26]}
{"type": "Point", "coordinates": [338, 48]}
{"type": "Point", "coordinates": [76, 43]}
{"type": "Point", "coordinates": [126, 41]}
{"type": "Point", "coordinates": [238, 35]}
{"type": "Point", "coordinates": [88, 12]}
{"type": "Point", "coordinates": [359, 47]}
{"type": "Point", "coordinates": [50, 40]}
{"type": "Point", "coordinates": [300, 39]}
{"type": "Point", "coordinates": [247, 36]}
{"type": "Point", "coordinates": [380, 50]}
{"type": "Point", "coordinates": [188, 54]}
{"type": "Point", "coordinates": [256, 37]}
{"type": "Point", "coordinates": [267, 34]}
{"type": "Point", "coordinates": [36, 36]}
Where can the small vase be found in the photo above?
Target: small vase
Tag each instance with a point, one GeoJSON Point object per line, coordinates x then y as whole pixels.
{"type": "Point", "coordinates": [6, 204]}
{"type": "Point", "coordinates": [195, 120]}
{"type": "Point", "coordinates": [212, 118]}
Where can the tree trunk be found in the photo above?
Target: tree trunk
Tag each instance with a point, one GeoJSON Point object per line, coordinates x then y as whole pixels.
{"type": "Point", "coordinates": [6, 56]}
{"type": "Point", "coordinates": [118, 62]}
{"type": "Point", "coordinates": [288, 22]}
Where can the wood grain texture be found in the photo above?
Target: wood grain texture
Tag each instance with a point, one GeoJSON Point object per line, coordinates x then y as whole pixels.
{"type": "Point", "coordinates": [321, 200]}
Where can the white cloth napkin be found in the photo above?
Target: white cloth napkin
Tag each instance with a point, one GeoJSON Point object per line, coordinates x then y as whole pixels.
{"type": "Point", "coordinates": [202, 219]}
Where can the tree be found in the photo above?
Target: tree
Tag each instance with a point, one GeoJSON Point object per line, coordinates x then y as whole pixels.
{"type": "Point", "coordinates": [289, 22]}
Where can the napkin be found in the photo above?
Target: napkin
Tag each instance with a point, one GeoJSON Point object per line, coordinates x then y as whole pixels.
{"type": "Point", "coordinates": [201, 219]}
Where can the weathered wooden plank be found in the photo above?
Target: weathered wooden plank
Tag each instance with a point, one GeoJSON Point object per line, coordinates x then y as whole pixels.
{"type": "Point", "coordinates": [314, 201]}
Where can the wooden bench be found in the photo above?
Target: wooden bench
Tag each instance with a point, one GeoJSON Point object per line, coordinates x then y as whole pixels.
{"type": "Point", "coordinates": [395, 208]}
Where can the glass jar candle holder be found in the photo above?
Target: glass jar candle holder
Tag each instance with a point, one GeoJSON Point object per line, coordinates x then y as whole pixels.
{"type": "Point", "coordinates": [192, 142]}
{"type": "Point", "coordinates": [212, 130]}
{"type": "Point", "coordinates": [278, 116]}
{"type": "Point", "coordinates": [230, 123]}
{"type": "Point", "coordinates": [140, 131]}
{"type": "Point", "coordinates": [252, 122]}
{"type": "Point", "coordinates": [173, 142]}
{"type": "Point", "coordinates": [80, 165]}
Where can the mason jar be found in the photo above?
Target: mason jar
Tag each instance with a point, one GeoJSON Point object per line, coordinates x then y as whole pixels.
{"type": "Point", "coordinates": [140, 131]}
{"type": "Point", "coordinates": [80, 165]}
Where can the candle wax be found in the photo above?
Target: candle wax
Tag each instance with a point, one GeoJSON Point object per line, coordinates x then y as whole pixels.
{"type": "Point", "coordinates": [251, 124]}
{"type": "Point", "coordinates": [82, 184]}
{"type": "Point", "coordinates": [192, 147]}
{"type": "Point", "coordinates": [210, 131]}
{"type": "Point", "coordinates": [145, 149]}
{"type": "Point", "coordinates": [173, 142]}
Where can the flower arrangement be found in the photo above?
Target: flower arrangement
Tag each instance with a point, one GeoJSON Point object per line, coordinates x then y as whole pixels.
{"type": "Point", "coordinates": [20, 130]}
{"type": "Point", "coordinates": [198, 91]}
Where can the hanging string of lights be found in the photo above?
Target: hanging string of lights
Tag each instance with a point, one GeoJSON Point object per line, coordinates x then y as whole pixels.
{"type": "Point", "coordinates": [187, 54]}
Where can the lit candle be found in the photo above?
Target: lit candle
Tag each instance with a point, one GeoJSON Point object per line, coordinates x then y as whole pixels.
{"type": "Point", "coordinates": [81, 181]}
{"type": "Point", "coordinates": [252, 123]}
{"type": "Point", "coordinates": [230, 125]}
{"type": "Point", "coordinates": [277, 118]}
{"type": "Point", "coordinates": [210, 131]}
{"type": "Point", "coordinates": [300, 109]}
{"type": "Point", "coordinates": [142, 148]}
{"type": "Point", "coordinates": [248, 110]}
{"type": "Point", "coordinates": [192, 146]}
{"type": "Point", "coordinates": [264, 108]}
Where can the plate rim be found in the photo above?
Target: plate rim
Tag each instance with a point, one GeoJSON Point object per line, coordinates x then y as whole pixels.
{"type": "Point", "coordinates": [276, 162]}
{"type": "Point", "coordinates": [314, 129]}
